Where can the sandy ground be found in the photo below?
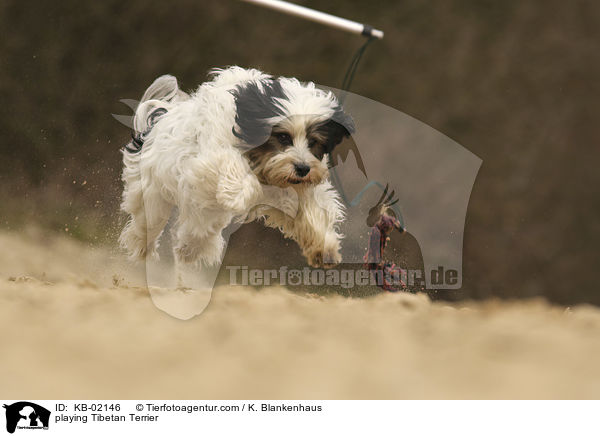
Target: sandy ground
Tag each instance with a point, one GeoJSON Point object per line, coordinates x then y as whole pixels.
{"type": "Point", "coordinates": [77, 323]}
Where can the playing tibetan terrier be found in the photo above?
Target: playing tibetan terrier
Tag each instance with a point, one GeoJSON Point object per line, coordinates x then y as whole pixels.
{"type": "Point", "coordinates": [243, 146]}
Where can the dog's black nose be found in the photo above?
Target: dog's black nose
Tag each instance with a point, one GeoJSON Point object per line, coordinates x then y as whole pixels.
{"type": "Point", "coordinates": [301, 169]}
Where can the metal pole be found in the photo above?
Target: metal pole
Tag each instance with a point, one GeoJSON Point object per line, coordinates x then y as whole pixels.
{"type": "Point", "coordinates": [319, 17]}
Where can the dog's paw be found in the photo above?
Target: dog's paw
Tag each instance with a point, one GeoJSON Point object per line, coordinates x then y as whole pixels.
{"type": "Point", "coordinates": [209, 250]}
{"type": "Point", "coordinates": [325, 254]}
{"type": "Point", "coordinates": [187, 253]}
{"type": "Point", "coordinates": [142, 253]}
{"type": "Point", "coordinates": [238, 195]}
{"type": "Point", "coordinates": [136, 246]}
{"type": "Point", "coordinates": [324, 259]}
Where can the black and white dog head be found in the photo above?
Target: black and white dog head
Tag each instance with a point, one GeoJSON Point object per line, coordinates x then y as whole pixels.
{"type": "Point", "coordinates": [290, 129]}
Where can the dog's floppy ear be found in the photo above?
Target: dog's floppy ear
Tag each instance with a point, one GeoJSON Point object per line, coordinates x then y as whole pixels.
{"type": "Point", "coordinates": [338, 127]}
{"type": "Point", "coordinates": [256, 104]}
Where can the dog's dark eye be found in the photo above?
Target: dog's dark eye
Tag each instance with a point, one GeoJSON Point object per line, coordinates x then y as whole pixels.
{"type": "Point", "coordinates": [284, 139]}
{"type": "Point", "coordinates": [312, 143]}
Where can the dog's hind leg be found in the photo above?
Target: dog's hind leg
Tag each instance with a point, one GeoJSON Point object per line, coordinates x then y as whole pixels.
{"type": "Point", "coordinates": [149, 214]}
{"type": "Point", "coordinates": [192, 249]}
{"type": "Point", "coordinates": [140, 235]}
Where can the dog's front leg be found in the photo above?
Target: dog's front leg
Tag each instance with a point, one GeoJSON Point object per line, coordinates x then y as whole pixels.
{"type": "Point", "coordinates": [316, 225]}
{"type": "Point", "coordinates": [238, 189]}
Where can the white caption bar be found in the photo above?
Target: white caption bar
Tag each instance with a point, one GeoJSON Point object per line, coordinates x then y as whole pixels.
{"type": "Point", "coordinates": [299, 417]}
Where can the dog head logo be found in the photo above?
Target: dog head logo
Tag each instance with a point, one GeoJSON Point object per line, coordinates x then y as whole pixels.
{"type": "Point", "coordinates": [429, 175]}
{"type": "Point", "coordinates": [26, 415]}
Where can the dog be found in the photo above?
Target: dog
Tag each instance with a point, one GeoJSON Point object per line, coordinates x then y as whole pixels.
{"type": "Point", "coordinates": [242, 147]}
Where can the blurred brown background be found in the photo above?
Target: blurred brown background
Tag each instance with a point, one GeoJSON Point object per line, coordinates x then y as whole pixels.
{"type": "Point", "coordinates": [515, 82]}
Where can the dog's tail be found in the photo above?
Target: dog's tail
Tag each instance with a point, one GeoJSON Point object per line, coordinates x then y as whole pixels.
{"type": "Point", "coordinates": [162, 94]}
{"type": "Point", "coordinates": [164, 88]}
{"type": "Point", "coordinates": [158, 99]}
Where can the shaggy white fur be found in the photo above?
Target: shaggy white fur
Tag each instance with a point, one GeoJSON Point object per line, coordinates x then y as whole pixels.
{"type": "Point", "coordinates": [243, 146]}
